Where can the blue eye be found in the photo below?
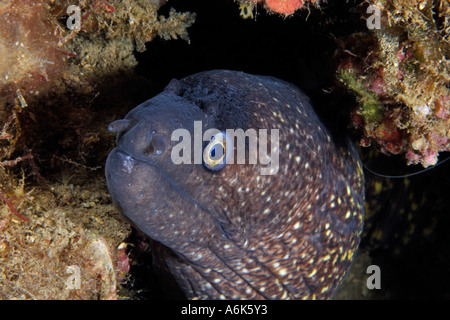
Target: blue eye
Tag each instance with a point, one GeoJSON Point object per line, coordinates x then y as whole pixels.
{"type": "Point", "coordinates": [217, 152]}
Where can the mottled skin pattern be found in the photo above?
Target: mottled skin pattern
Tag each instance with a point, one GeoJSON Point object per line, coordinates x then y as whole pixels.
{"type": "Point", "coordinates": [237, 234]}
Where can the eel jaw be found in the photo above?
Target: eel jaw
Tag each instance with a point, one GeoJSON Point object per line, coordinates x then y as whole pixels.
{"type": "Point", "coordinates": [151, 199]}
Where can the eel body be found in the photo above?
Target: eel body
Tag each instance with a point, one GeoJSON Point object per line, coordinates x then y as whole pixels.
{"type": "Point", "coordinates": [287, 228]}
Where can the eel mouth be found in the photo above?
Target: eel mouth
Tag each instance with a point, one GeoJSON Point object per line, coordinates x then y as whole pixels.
{"type": "Point", "coordinates": [128, 179]}
{"type": "Point", "coordinates": [133, 181]}
{"type": "Point", "coordinates": [153, 200]}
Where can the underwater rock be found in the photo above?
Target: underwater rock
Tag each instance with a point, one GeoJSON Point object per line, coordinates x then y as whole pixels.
{"type": "Point", "coordinates": [399, 72]}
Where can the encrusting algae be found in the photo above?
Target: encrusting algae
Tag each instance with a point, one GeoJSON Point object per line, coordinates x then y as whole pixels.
{"type": "Point", "coordinates": [56, 217]}
{"type": "Point", "coordinates": [399, 71]}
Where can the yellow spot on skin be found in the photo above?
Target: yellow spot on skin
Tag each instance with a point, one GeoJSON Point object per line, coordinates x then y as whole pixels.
{"type": "Point", "coordinates": [350, 255]}
{"type": "Point", "coordinates": [312, 273]}
{"type": "Point", "coordinates": [283, 272]}
{"type": "Point", "coordinates": [335, 259]}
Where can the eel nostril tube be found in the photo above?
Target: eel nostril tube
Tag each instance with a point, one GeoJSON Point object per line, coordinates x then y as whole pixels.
{"type": "Point", "coordinates": [119, 125]}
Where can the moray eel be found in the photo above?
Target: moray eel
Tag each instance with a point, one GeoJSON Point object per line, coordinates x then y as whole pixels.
{"type": "Point", "coordinates": [232, 232]}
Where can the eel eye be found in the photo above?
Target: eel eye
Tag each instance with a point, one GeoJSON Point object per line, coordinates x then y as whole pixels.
{"type": "Point", "coordinates": [217, 152]}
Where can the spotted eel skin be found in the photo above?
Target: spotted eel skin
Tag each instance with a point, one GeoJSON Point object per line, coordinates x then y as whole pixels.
{"type": "Point", "coordinates": [234, 233]}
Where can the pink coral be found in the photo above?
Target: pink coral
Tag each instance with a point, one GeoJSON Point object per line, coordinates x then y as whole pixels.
{"type": "Point", "coordinates": [285, 7]}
